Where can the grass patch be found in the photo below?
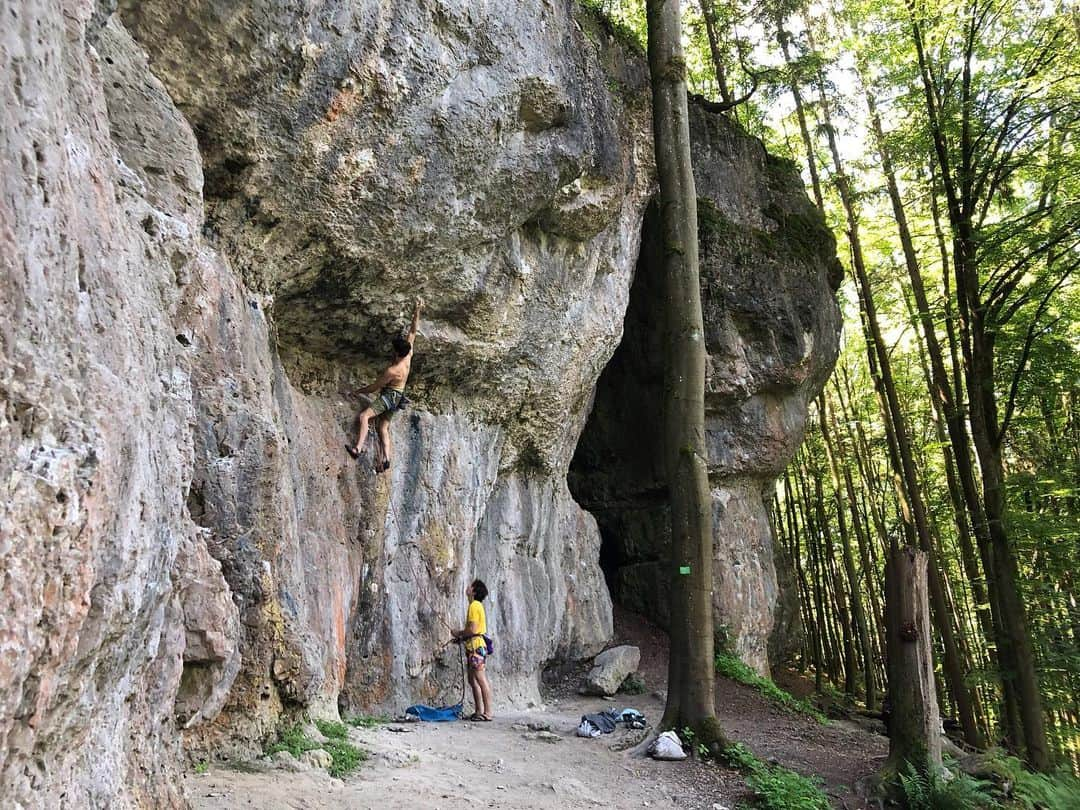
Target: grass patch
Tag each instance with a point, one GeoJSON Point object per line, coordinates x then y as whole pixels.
{"type": "Point", "coordinates": [202, 767]}
{"type": "Point", "coordinates": [730, 666]}
{"type": "Point", "coordinates": [346, 757]}
{"type": "Point", "coordinates": [294, 741]}
{"type": "Point", "coordinates": [366, 721]}
{"type": "Point", "coordinates": [775, 787]}
{"type": "Point", "coordinates": [332, 730]}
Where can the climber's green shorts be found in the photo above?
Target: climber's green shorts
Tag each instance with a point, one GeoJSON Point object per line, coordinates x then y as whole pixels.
{"type": "Point", "coordinates": [387, 402]}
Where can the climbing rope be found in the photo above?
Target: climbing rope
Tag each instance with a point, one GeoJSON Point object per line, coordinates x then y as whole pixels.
{"type": "Point", "coordinates": [422, 591]}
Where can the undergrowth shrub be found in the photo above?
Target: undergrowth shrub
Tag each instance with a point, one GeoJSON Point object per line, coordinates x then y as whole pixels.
{"type": "Point", "coordinates": [730, 666]}
{"type": "Point", "coordinates": [776, 787]}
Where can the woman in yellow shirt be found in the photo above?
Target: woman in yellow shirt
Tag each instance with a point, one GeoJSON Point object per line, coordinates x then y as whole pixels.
{"type": "Point", "coordinates": [476, 650]}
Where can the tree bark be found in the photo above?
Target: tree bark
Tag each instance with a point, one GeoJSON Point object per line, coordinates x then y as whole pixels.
{"type": "Point", "coordinates": [836, 587]}
{"type": "Point", "coordinates": [691, 673]}
{"type": "Point", "coordinates": [783, 37]}
{"type": "Point", "coordinates": [914, 723]}
{"type": "Point", "coordinates": [903, 461]}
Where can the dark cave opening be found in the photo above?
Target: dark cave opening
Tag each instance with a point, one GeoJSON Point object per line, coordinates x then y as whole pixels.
{"type": "Point", "coordinates": [617, 471]}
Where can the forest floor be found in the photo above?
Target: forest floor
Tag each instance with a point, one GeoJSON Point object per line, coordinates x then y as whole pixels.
{"type": "Point", "coordinates": [503, 764]}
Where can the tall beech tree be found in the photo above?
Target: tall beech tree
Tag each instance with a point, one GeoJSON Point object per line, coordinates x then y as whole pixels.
{"type": "Point", "coordinates": [691, 674]}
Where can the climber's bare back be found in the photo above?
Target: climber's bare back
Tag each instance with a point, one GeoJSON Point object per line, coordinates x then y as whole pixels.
{"type": "Point", "coordinates": [397, 373]}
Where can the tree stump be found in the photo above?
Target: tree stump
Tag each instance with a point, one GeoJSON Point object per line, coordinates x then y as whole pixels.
{"type": "Point", "coordinates": [914, 724]}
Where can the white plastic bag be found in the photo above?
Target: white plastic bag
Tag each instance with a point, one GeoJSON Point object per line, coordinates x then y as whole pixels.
{"type": "Point", "coordinates": [587, 729]}
{"type": "Point", "coordinates": [667, 746]}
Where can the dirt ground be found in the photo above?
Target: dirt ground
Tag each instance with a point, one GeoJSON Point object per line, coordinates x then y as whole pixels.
{"type": "Point", "coordinates": [503, 764]}
{"type": "Point", "coordinates": [840, 753]}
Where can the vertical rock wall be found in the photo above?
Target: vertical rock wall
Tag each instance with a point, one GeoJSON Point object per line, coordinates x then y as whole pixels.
{"type": "Point", "coordinates": [106, 584]}
{"type": "Point", "coordinates": [212, 217]}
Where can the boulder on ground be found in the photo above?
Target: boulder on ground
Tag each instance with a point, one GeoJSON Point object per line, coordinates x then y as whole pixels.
{"type": "Point", "coordinates": [285, 761]}
{"type": "Point", "coordinates": [610, 669]}
{"type": "Point", "coordinates": [311, 731]}
{"type": "Point", "coordinates": [317, 758]}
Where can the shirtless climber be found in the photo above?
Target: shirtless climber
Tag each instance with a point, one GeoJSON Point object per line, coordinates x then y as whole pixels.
{"type": "Point", "coordinates": [391, 388]}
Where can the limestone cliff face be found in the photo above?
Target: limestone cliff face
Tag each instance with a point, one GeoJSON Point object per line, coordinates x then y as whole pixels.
{"type": "Point", "coordinates": [214, 216]}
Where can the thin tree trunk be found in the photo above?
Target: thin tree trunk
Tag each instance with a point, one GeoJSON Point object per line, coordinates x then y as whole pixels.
{"type": "Point", "coordinates": [961, 477]}
{"type": "Point", "coordinates": [906, 468]}
{"type": "Point", "coordinates": [977, 339]}
{"type": "Point", "coordinates": [808, 613]}
{"type": "Point", "coordinates": [970, 563]}
{"type": "Point", "coordinates": [817, 577]}
{"type": "Point", "coordinates": [849, 561]}
{"type": "Point", "coordinates": [837, 591]}
{"type": "Point", "coordinates": [708, 13]}
{"type": "Point", "coordinates": [783, 37]}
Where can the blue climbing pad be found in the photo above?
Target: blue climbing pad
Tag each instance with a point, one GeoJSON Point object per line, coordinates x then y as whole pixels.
{"type": "Point", "coordinates": [435, 714]}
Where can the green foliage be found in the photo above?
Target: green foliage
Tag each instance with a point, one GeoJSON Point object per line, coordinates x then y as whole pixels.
{"type": "Point", "coordinates": [294, 741]}
{"type": "Point", "coordinates": [1018, 787]}
{"type": "Point", "coordinates": [962, 792]}
{"type": "Point", "coordinates": [623, 20]}
{"type": "Point", "coordinates": [686, 734]}
{"type": "Point", "coordinates": [781, 789]}
{"type": "Point", "coordinates": [730, 666]}
{"type": "Point", "coordinates": [202, 767]}
{"type": "Point", "coordinates": [633, 685]}
{"type": "Point", "coordinates": [775, 787]}
{"type": "Point", "coordinates": [741, 758]}
{"type": "Point", "coordinates": [333, 730]}
{"type": "Point", "coordinates": [1006, 113]}
{"type": "Point", "coordinates": [1057, 791]}
{"type": "Point", "coordinates": [346, 757]}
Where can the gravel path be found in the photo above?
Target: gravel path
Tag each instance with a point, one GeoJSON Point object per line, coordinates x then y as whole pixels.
{"type": "Point", "coordinates": [504, 764]}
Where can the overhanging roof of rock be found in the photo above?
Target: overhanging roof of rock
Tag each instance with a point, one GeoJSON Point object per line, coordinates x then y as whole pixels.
{"type": "Point", "coordinates": [497, 164]}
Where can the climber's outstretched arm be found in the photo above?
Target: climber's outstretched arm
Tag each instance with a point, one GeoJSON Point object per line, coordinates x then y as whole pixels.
{"type": "Point", "coordinates": [415, 321]}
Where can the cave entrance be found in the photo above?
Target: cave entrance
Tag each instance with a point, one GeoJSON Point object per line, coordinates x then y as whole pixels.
{"type": "Point", "coordinates": [617, 472]}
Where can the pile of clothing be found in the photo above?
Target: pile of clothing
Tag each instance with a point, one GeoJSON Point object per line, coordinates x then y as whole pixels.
{"type": "Point", "coordinates": [593, 725]}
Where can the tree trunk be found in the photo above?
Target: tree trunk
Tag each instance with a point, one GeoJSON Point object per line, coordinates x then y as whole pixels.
{"type": "Point", "coordinates": [836, 586]}
{"type": "Point", "coordinates": [914, 723]}
{"type": "Point", "coordinates": [829, 646]}
{"type": "Point", "coordinates": [708, 13]}
{"type": "Point", "coordinates": [945, 403]}
{"type": "Point", "coordinates": [783, 37]}
{"type": "Point", "coordinates": [816, 645]}
{"type": "Point", "coordinates": [691, 673]}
